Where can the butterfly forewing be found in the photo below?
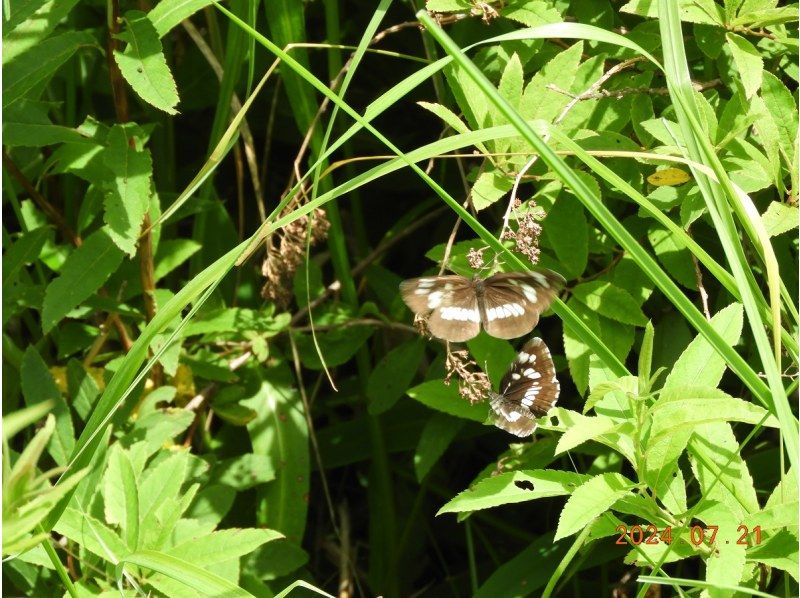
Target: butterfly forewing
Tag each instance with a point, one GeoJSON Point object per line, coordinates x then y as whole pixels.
{"type": "Point", "coordinates": [513, 301]}
{"type": "Point", "coordinates": [527, 391]}
{"type": "Point", "coordinates": [451, 302]}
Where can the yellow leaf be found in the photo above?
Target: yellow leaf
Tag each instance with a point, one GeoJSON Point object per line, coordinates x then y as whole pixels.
{"type": "Point", "coordinates": [671, 177]}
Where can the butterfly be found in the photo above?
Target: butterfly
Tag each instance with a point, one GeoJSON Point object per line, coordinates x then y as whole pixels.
{"type": "Point", "coordinates": [507, 304]}
{"type": "Point", "coordinates": [527, 391]}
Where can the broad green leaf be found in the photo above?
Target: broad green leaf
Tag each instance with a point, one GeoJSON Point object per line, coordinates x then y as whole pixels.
{"type": "Point", "coordinates": [526, 572]}
{"type": "Point", "coordinates": [567, 233]}
{"type": "Point", "coordinates": [337, 346]}
{"type": "Point", "coordinates": [34, 29]}
{"type": "Point", "coordinates": [589, 500]}
{"type": "Point", "coordinates": [172, 253]}
{"type": "Point", "coordinates": [540, 102]}
{"type": "Point", "coordinates": [197, 578]}
{"type": "Point", "coordinates": [85, 271]}
{"type": "Point", "coordinates": [128, 197]}
{"type": "Point", "coordinates": [280, 432]}
{"type": "Point", "coordinates": [143, 64]}
{"type": "Point", "coordinates": [223, 545]}
{"type": "Point", "coordinates": [489, 187]}
{"type": "Point", "coordinates": [586, 429]}
{"type": "Point", "coordinates": [714, 454]}
{"type": "Point", "coordinates": [785, 491]}
{"type": "Point", "coordinates": [243, 472]}
{"type": "Point", "coordinates": [514, 487]}
{"type": "Point", "coordinates": [782, 109]}
{"type": "Point", "coordinates": [25, 250]}
{"type": "Point", "coordinates": [672, 253]}
{"type": "Point", "coordinates": [493, 355]}
{"type": "Point", "coordinates": [531, 13]}
{"type": "Point", "coordinates": [162, 482]}
{"type": "Point", "coordinates": [772, 518]}
{"type": "Point", "coordinates": [26, 124]}
{"type": "Point", "coordinates": [446, 398]}
{"type": "Point", "coordinates": [391, 376]}
{"type": "Point", "coordinates": [91, 534]}
{"type": "Point", "coordinates": [274, 559]}
{"type": "Point", "coordinates": [35, 67]}
{"type": "Point", "coordinates": [725, 565]}
{"type": "Point", "coordinates": [169, 13]}
{"type": "Point", "coordinates": [510, 88]}
{"type": "Point", "coordinates": [438, 433]}
{"type": "Point", "coordinates": [702, 404]}
{"type": "Point", "coordinates": [691, 11]}
{"type": "Point", "coordinates": [700, 364]}
{"type": "Point", "coordinates": [610, 301]}
{"type": "Point", "coordinates": [779, 551]}
{"type": "Point", "coordinates": [749, 64]}
{"type": "Point", "coordinates": [237, 319]}
{"type": "Point", "coordinates": [780, 218]}
{"type": "Point", "coordinates": [38, 386]}
{"type": "Point", "coordinates": [157, 428]}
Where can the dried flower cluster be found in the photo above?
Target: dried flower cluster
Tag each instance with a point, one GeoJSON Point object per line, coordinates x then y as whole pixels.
{"type": "Point", "coordinates": [475, 258]}
{"type": "Point", "coordinates": [473, 384]}
{"type": "Point", "coordinates": [285, 252]}
{"type": "Point", "coordinates": [528, 231]}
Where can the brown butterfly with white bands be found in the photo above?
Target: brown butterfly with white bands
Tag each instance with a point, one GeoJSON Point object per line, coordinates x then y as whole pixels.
{"type": "Point", "coordinates": [527, 391]}
{"type": "Point", "coordinates": [507, 304]}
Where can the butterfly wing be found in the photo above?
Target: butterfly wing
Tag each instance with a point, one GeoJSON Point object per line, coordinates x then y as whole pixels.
{"type": "Point", "coordinates": [527, 391]}
{"type": "Point", "coordinates": [449, 302]}
{"type": "Point", "coordinates": [513, 301]}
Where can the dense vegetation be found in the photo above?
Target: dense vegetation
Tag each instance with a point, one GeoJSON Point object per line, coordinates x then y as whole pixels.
{"type": "Point", "coordinates": [212, 386]}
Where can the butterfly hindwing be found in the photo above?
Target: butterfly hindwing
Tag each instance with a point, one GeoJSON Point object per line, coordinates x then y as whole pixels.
{"type": "Point", "coordinates": [450, 301]}
{"type": "Point", "coordinates": [512, 301]}
{"type": "Point", "coordinates": [527, 391]}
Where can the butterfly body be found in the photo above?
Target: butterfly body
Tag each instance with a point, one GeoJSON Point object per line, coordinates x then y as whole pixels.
{"type": "Point", "coordinates": [507, 304]}
{"type": "Point", "coordinates": [527, 391]}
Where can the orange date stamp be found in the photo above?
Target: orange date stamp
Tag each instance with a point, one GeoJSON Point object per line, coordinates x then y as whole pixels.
{"type": "Point", "coordinates": [650, 534]}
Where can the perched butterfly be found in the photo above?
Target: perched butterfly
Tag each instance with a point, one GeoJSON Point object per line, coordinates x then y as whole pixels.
{"type": "Point", "coordinates": [508, 304]}
{"type": "Point", "coordinates": [527, 391]}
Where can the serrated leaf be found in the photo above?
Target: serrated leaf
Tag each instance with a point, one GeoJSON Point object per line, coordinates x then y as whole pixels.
{"type": "Point", "coordinates": [127, 198]}
{"type": "Point", "coordinates": [531, 13]}
{"type": "Point", "coordinates": [223, 545]}
{"type": "Point", "coordinates": [445, 398]}
{"type": "Point", "coordinates": [84, 271]}
{"type": "Point", "coordinates": [700, 363]}
{"type": "Point", "coordinates": [91, 534]}
{"type": "Point", "coordinates": [567, 232]}
{"type": "Point", "coordinates": [35, 67]}
{"type": "Point", "coordinates": [514, 487]}
{"type": "Point", "coordinates": [610, 301]}
{"type": "Point", "coordinates": [585, 430]}
{"type": "Point", "coordinates": [780, 218]}
{"type": "Point", "coordinates": [34, 29]}
{"type": "Point", "coordinates": [779, 551]}
{"type": "Point", "coordinates": [489, 187]}
{"type": "Point", "coordinates": [438, 433]}
{"type": "Point", "coordinates": [725, 564]}
{"type": "Point", "coordinates": [391, 376]}
{"type": "Point", "coordinates": [24, 251]}
{"type": "Point", "coordinates": [38, 386]}
{"type": "Point", "coordinates": [589, 500]}
{"type": "Point", "coordinates": [749, 64]}
{"type": "Point", "coordinates": [691, 11]}
{"type": "Point", "coordinates": [771, 518]}
{"type": "Point", "coordinates": [143, 64]}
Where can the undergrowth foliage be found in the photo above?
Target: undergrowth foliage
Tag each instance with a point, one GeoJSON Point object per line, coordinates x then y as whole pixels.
{"type": "Point", "coordinates": [211, 385]}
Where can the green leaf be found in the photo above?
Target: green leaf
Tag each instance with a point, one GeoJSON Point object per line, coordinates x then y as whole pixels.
{"type": "Point", "coordinates": [714, 455]}
{"type": "Point", "coordinates": [161, 483]}
{"type": "Point", "coordinates": [691, 11]}
{"type": "Point", "coordinates": [779, 551]}
{"type": "Point", "coordinates": [391, 376]}
{"type": "Point", "coordinates": [280, 432]}
{"type": "Point", "coordinates": [223, 545]}
{"type": "Point", "coordinates": [514, 487]}
{"type": "Point", "coordinates": [586, 429]}
{"type": "Point", "coordinates": [38, 386]}
{"type": "Point", "coordinates": [197, 578]}
{"type": "Point", "coordinates": [673, 255]}
{"type": "Point", "coordinates": [780, 218]}
{"type": "Point", "coordinates": [169, 13]}
{"type": "Point", "coordinates": [782, 108]}
{"type": "Point", "coordinates": [34, 29]}
{"type": "Point", "coordinates": [700, 364]}
{"type": "Point", "coordinates": [727, 560]}
{"type": "Point", "coordinates": [447, 5]}
{"type": "Point", "coordinates": [531, 13]}
{"type": "Point", "coordinates": [34, 68]}
{"type": "Point", "coordinates": [748, 61]}
{"type": "Point", "coordinates": [772, 518]}
{"type": "Point", "coordinates": [510, 88]}
{"type": "Point", "coordinates": [127, 199]}
{"type": "Point", "coordinates": [610, 301]}
{"type": "Point", "coordinates": [26, 124]}
{"type": "Point", "coordinates": [243, 472]}
{"type": "Point", "coordinates": [445, 398]}
{"type": "Point", "coordinates": [85, 271]}
{"type": "Point", "coordinates": [646, 358]}
{"type": "Point", "coordinates": [91, 534]}
{"type": "Point", "coordinates": [337, 346]}
{"type": "Point", "coordinates": [24, 251]}
{"type": "Point", "coordinates": [438, 433]}
{"type": "Point", "coordinates": [591, 499]}
{"type": "Point", "coordinates": [143, 63]}
{"type": "Point", "coordinates": [567, 232]}
{"type": "Point", "coordinates": [490, 186]}
{"type": "Point", "coordinates": [493, 355]}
